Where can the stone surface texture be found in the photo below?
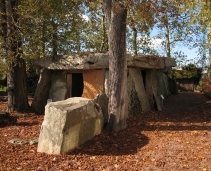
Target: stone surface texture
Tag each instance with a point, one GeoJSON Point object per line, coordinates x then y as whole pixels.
{"type": "Point", "coordinates": [149, 88]}
{"type": "Point", "coordinates": [75, 61]}
{"type": "Point", "coordinates": [147, 62]}
{"type": "Point", "coordinates": [155, 89]}
{"type": "Point", "coordinates": [143, 91]}
{"type": "Point", "coordinates": [86, 61]}
{"type": "Point", "coordinates": [58, 89]}
{"type": "Point", "coordinates": [42, 91]}
{"type": "Point", "coordinates": [138, 100]}
{"type": "Point", "coordinates": [23, 142]}
{"type": "Point", "coordinates": [163, 88]}
{"type": "Point", "coordinates": [106, 82]}
{"type": "Point", "coordinates": [69, 123]}
{"type": "Point", "coordinates": [102, 100]}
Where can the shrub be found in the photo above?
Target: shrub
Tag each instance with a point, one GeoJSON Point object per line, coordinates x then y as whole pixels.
{"type": "Point", "coordinates": [188, 71]}
{"type": "Point", "coordinates": [205, 84]}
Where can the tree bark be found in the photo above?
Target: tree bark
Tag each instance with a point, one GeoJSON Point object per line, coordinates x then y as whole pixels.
{"type": "Point", "coordinates": [209, 35]}
{"type": "Point", "coordinates": [104, 43]}
{"type": "Point", "coordinates": [3, 19]}
{"type": "Point", "coordinates": [168, 44]}
{"type": "Point", "coordinates": [10, 91]}
{"type": "Point", "coordinates": [10, 50]}
{"type": "Point", "coordinates": [20, 88]}
{"type": "Point", "coordinates": [3, 33]}
{"type": "Point", "coordinates": [135, 40]}
{"type": "Point", "coordinates": [54, 41]}
{"type": "Point", "coordinates": [16, 76]}
{"type": "Point", "coordinates": [116, 20]}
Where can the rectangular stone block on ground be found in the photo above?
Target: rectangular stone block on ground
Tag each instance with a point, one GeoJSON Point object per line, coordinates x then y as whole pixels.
{"type": "Point", "coordinates": [69, 123]}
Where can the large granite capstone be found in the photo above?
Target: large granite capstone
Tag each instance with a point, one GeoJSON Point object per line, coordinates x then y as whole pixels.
{"type": "Point", "coordinates": [85, 61]}
{"type": "Point", "coordinates": [69, 123]}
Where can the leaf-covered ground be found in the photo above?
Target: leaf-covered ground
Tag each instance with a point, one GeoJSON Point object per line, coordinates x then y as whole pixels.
{"type": "Point", "coordinates": [178, 138]}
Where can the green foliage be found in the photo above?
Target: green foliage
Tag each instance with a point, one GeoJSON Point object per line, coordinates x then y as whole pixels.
{"type": "Point", "coordinates": [32, 77]}
{"type": "Point", "coordinates": [172, 24]}
{"type": "Point", "coordinates": [2, 88]}
{"type": "Point", "coordinates": [49, 27]}
{"type": "Point", "coordinates": [205, 84]}
{"type": "Point", "coordinates": [188, 71]}
{"type": "Point", "coordinates": [3, 80]}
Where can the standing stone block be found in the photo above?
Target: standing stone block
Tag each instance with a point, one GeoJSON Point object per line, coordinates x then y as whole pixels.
{"type": "Point", "coordinates": [42, 91]}
{"type": "Point", "coordinates": [102, 100]}
{"type": "Point", "coordinates": [169, 62]}
{"type": "Point", "coordinates": [69, 123]}
{"type": "Point", "coordinates": [148, 87]}
{"type": "Point", "coordinates": [163, 84]}
{"type": "Point", "coordinates": [138, 100]}
{"type": "Point", "coordinates": [106, 82]}
{"type": "Point", "coordinates": [155, 86]}
{"type": "Point", "coordinates": [58, 90]}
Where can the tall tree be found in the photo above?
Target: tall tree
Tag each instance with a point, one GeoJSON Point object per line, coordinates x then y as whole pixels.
{"type": "Point", "coordinates": [95, 32]}
{"type": "Point", "coordinates": [116, 15]}
{"type": "Point", "coordinates": [172, 22]}
{"type": "Point", "coordinates": [140, 20]}
{"type": "Point", "coordinates": [199, 26]}
{"type": "Point", "coordinates": [50, 27]}
{"type": "Point", "coordinates": [16, 73]}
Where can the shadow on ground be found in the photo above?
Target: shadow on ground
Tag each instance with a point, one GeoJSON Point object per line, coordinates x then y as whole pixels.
{"type": "Point", "coordinates": [185, 111]}
{"type": "Point", "coordinates": [122, 143]}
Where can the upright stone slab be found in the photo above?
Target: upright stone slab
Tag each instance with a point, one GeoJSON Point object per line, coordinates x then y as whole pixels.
{"type": "Point", "coordinates": [163, 87]}
{"type": "Point", "coordinates": [58, 90]}
{"type": "Point", "coordinates": [169, 62]}
{"type": "Point", "coordinates": [148, 87]}
{"type": "Point", "coordinates": [102, 100]}
{"type": "Point", "coordinates": [42, 91]}
{"type": "Point", "coordinates": [138, 100]}
{"type": "Point", "coordinates": [155, 90]}
{"type": "Point", "coordinates": [69, 123]}
{"type": "Point", "coordinates": [106, 82]}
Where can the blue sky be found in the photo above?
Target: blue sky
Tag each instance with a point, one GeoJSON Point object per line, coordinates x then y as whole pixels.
{"type": "Point", "coordinates": [192, 54]}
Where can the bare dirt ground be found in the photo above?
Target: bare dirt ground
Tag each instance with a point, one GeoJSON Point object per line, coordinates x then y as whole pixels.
{"type": "Point", "coordinates": [177, 138]}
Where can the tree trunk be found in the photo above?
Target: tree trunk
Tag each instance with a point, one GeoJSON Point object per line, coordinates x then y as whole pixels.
{"type": "Point", "coordinates": [104, 43]}
{"type": "Point", "coordinates": [3, 19]}
{"type": "Point", "coordinates": [10, 91]}
{"type": "Point", "coordinates": [209, 35]}
{"type": "Point", "coordinates": [168, 48]}
{"type": "Point", "coordinates": [117, 65]}
{"type": "Point", "coordinates": [54, 40]}
{"type": "Point", "coordinates": [16, 76]}
{"type": "Point", "coordinates": [10, 50]}
{"type": "Point", "coordinates": [135, 40]}
{"type": "Point", "coordinates": [20, 88]}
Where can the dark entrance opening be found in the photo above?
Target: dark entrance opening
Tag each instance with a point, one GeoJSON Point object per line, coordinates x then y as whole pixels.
{"type": "Point", "coordinates": [144, 77]}
{"type": "Point", "coordinates": [77, 84]}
